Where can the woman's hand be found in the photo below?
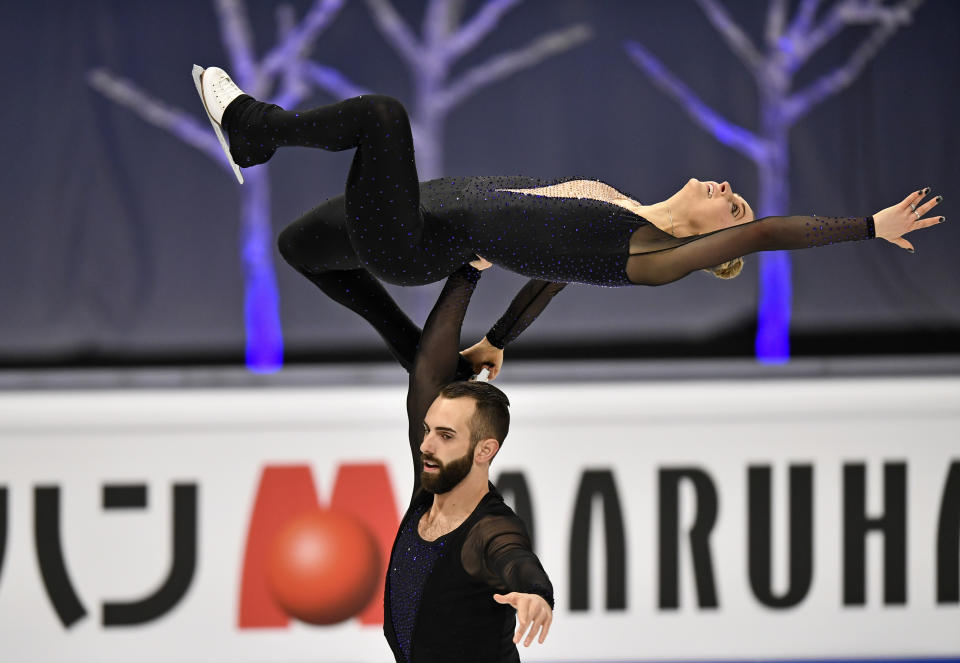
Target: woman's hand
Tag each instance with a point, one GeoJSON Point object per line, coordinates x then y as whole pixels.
{"type": "Point", "coordinates": [484, 355]}
{"type": "Point", "coordinates": [894, 222]}
{"type": "Point", "coordinates": [480, 264]}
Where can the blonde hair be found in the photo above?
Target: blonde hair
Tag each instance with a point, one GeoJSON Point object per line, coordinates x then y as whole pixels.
{"type": "Point", "coordinates": [726, 270]}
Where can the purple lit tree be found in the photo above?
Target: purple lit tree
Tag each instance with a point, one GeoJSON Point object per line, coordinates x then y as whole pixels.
{"type": "Point", "coordinates": [444, 40]}
{"type": "Point", "coordinates": [276, 78]}
{"type": "Point", "coordinates": [787, 47]}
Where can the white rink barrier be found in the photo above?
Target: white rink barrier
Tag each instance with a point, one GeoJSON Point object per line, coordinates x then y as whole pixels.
{"type": "Point", "coordinates": [693, 521]}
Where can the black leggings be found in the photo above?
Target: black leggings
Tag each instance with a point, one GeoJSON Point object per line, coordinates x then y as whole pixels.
{"type": "Point", "coordinates": [317, 246]}
{"type": "Point", "coordinates": [383, 220]}
{"type": "Point", "coordinates": [340, 242]}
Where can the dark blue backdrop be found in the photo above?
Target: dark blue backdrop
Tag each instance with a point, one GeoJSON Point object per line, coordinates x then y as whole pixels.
{"type": "Point", "coordinates": [120, 241]}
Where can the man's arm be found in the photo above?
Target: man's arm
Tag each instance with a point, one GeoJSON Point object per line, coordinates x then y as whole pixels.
{"type": "Point", "coordinates": [497, 551]}
{"type": "Point", "coordinates": [531, 593]}
{"type": "Point", "coordinates": [435, 364]}
{"type": "Point", "coordinates": [363, 293]}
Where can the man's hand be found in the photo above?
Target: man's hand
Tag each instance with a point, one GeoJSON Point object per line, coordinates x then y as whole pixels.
{"type": "Point", "coordinates": [532, 609]}
{"type": "Point", "coordinates": [484, 355]}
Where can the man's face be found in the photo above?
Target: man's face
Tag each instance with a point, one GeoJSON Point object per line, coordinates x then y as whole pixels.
{"type": "Point", "coordinates": [446, 453]}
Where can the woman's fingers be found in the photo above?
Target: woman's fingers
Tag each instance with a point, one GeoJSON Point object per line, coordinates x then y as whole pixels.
{"type": "Point", "coordinates": [926, 223]}
{"type": "Point", "coordinates": [915, 197]}
{"type": "Point", "coordinates": [894, 222]}
{"type": "Point", "coordinates": [902, 243]}
{"type": "Point", "coordinates": [927, 206]}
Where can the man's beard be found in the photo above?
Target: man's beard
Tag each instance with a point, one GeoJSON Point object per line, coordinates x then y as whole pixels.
{"type": "Point", "coordinates": [448, 475]}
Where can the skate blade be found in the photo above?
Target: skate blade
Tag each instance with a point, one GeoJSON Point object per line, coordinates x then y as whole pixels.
{"type": "Point", "coordinates": [198, 81]}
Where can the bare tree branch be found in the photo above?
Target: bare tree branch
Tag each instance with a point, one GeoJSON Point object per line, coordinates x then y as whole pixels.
{"type": "Point", "coordinates": [395, 29]}
{"type": "Point", "coordinates": [154, 111]}
{"type": "Point", "coordinates": [725, 131]}
{"type": "Point", "coordinates": [238, 39]}
{"type": "Point", "coordinates": [776, 22]}
{"type": "Point", "coordinates": [872, 11]}
{"type": "Point", "coordinates": [800, 103]}
{"type": "Point", "coordinates": [505, 64]}
{"type": "Point", "coordinates": [803, 20]}
{"type": "Point", "coordinates": [332, 81]}
{"type": "Point", "coordinates": [849, 12]}
{"type": "Point", "coordinates": [826, 30]}
{"type": "Point", "coordinates": [296, 41]}
{"type": "Point", "coordinates": [436, 23]}
{"type": "Point", "coordinates": [733, 34]}
{"type": "Point", "coordinates": [479, 26]}
{"type": "Point", "coordinates": [439, 20]}
{"type": "Point", "coordinates": [292, 88]}
{"type": "Point", "coordinates": [844, 13]}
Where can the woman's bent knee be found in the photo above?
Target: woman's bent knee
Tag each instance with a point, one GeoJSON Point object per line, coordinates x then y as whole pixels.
{"type": "Point", "coordinates": [317, 241]}
{"type": "Point", "coordinates": [386, 109]}
{"type": "Point", "coordinates": [287, 245]}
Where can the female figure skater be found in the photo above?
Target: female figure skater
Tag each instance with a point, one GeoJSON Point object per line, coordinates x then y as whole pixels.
{"type": "Point", "coordinates": [391, 226]}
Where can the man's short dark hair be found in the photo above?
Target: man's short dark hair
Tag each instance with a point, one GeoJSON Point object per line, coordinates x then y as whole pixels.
{"type": "Point", "coordinates": [492, 416]}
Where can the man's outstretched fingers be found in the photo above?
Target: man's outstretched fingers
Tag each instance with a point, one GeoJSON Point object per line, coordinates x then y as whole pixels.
{"type": "Point", "coordinates": [537, 625]}
{"type": "Point", "coordinates": [546, 628]}
{"type": "Point", "coordinates": [521, 629]}
{"type": "Point", "coordinates": [532, 634]}
{"type": "Point", "coordinates": [524, 623]}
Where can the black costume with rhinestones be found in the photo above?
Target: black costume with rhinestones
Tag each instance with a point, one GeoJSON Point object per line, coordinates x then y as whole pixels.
{"type": "Point", "coordinates": [390, 226]}
{"type": "Point", "coordinates": [438, 598]}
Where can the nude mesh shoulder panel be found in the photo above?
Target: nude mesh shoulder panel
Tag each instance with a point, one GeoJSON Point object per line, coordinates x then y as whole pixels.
{"type": "Point", "coordinates": [591, 189]}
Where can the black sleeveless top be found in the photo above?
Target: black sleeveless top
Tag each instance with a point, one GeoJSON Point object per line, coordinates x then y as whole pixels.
{"type": "Point", "coordinates": [438, 599]}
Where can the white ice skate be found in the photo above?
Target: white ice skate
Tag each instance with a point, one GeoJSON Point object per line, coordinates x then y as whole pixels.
{"type": "Point", "coordinates": [217, 90]}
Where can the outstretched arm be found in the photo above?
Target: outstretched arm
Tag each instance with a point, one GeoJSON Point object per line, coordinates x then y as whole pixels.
{"type": "Point", "coordinates": [523, 310]}
{"type": "Point", "coordinates": [435, 364]}
{"type": "Point", "coordinates": [776, 233]}
{"type": "Point", "coordinates": [497, 551]}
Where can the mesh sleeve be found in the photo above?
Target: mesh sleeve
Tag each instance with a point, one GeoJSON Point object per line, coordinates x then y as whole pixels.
{"type": "Point", "coordinates": [770, 233]}
{"type": "Point", "coordinates": [523, 310]}
{"type": "Point", "coordinates": [497, 551]}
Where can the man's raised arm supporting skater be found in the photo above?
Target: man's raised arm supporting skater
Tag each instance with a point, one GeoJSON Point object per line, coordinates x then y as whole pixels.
{"type": "Point", "coordinates": [461, 569]}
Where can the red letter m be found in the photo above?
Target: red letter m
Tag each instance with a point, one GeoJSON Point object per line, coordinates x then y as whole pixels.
{"type": "Point", "coordinates": [285, 492]}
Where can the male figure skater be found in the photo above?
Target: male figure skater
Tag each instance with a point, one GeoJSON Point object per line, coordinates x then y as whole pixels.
{"type": "Point", "coordinates": [461, 568]}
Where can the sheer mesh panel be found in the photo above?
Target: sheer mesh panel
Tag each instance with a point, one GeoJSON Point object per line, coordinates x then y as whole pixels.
{"type": "Point", "coordinates": [497, 552]}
